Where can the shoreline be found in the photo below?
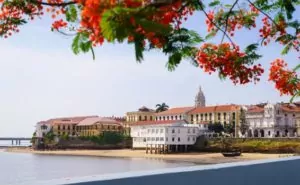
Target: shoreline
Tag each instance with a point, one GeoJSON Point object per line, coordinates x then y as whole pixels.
{"type": "Point", "coordinates": [193, 157]}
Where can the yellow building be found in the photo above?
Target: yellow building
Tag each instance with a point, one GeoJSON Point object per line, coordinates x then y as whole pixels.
{"type": "Point", "coordinates": [95, 126]}
{"type": "Point", "coordinates": [143, 114]}
{"type": "Point", "coordinates": [67, 125]}
{"type": "Point", "coordinates": [224, 114]}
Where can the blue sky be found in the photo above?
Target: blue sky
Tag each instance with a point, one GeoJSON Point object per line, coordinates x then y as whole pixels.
{"type": "Point", "coordinates": [41, 78]}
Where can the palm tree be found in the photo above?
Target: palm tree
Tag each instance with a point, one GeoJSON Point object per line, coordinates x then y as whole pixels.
{"type": "Point", "coordinates": [162, 107]}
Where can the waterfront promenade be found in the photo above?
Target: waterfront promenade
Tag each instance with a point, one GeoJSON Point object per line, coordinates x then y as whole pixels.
{"type": "Point", "coordinates": [261, 172]}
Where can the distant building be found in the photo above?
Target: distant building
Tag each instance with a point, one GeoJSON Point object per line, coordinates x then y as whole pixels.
{"type": "Point", "coordinates": [142, 114]}
{"type": "Point", "coordinates": [273, 120]}
{"type": "Point", "coordinates": [177, 113]}
{"type": "Point", "coordinates": [168, 133]}
{"type": "Point", "coordinates": [200, 99]}
{"type": "Point", "coordinates": [94, 126]}
{"type": "Point", "coordinates": [42, 128]}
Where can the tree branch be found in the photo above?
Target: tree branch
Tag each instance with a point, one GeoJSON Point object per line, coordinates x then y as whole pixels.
{"type": "Point", "coordinates": [56, 4]}
{"type": "Point", "coordinates": [219, 28]}
{"type": "Point", "coordinates": [263, 12]}
{"type": "Point", "coordinates": [226, 22]}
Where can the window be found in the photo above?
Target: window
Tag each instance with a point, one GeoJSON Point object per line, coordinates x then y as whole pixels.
{"type": "Point", "coordinates": [277, 111]}
{"type": "Point", "coordinates": [166, 139]}
{"type": "Point", "coordinates": [64, 127]}
{"type": "Point", "coordinates": [161, 130]}
{"type": "Point", "coordinates": [194, 131]}
{"type": "Point", "coordinates": [173, 131]}
{"type": "Point", "coordinates": [219, 116]}
{"type": "Point", "coordinates": [180, 117]}
{"type": "Point", "coordinates": [201, 117]}
{"type": "Point", "coordinates": [153, 139]}
{"type": "Point", "coordinates": [150, 118]}
{"type": "Point", "coordinates": [166, 130]}
{"type": "Point", "coordinates": [58, 133]}
{"type": "Point", "coordinates": [188, 138]}
{"type": "Point", "coordinates": [205, 116]}
{"type": "Point", "coordinates": [140, 118]}
{"type": "Point", "coordinates": [156, 131]}
{"type": "Point", "coordinates": [164, 118]}
{"type": "Point", "coordinates": [210, 116]}
{"type": "Point", "coordinates": [153, 130]}
{"type": "Point", "coordinates": [148, 138]}
{"type": "Point", "coordinates": [149, 130]}
{"type": "Point", "coordinates": [293, 115]}
{"type": "Point", "coordinates": [144, 140]}
{"type": "Point", "coordinates": [194, 139]}
{"type": "Point", "coordinates": [269, 133]}
{"type": "Point", "coordinates": [157, 139]}
{"type": "Point", "coordinates": [73, 133]}
{"type": "Point", "coordinates": [233, 115]}
{"type": "Point", "coordinates": [197, 117]}
{"type": "Point", "coordinates": [145, 118]}
{"type": "Point", "coordinates": [173, 139]}
{"type": "Point", "coordinates": [225, 123]}
{"type": "Point", "coordinates": [58, 127]}
{"type": "Point", "coordinates": [189, 130]}
{"type": "Point", "coordinates": [285, 115]}
{"type": "Point", "coordinates": [192, 118]}
{"type": "Point", "coordinates": [178, 139]}
{"type": "Point", "coordinates": [161, 139]}
{"type": "Point", "coordinates": [73, 127]}
{"type": "Point", "coordinates": [175, 117]}
{"type": "Point", "coordinates": [171, 117]}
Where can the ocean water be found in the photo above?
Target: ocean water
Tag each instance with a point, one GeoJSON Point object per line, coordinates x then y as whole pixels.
{"type": "Point", "coordinates": [23, 168]}
{"type": "Point", "coordinates": [4, 143]}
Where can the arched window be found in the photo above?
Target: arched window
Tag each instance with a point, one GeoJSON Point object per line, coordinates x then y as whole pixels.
{"type": "Point", "coordinates": [140, 118]}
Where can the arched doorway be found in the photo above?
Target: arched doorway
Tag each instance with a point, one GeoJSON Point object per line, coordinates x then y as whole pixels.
{"type": "Point", "coordinates": [277, 133]}
{"type": "Point", "coordinates": [250, 133]}
{"type": "Point", "coordinates": [286, 132]}
{"type": "Point", "coordinates": [262, 133]}
{"type": "Point", "coordinates": [255, 133]}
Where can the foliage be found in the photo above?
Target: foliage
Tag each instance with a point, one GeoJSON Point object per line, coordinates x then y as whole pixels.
{"type": "Point", "coordinates": [32, 138]}
{"type": "Point", "coordinates": [262, 145]}
{"type": "Point", "coordinates": [106, 138]}
{"type": "Point", "coordinates": [215, 127]}
{"type": "Point", "coordinates": [157, 25]}
{"type": "Point", "coordinates": [161, 107]}
{"type": "Point", "coordinates": [229, 128]}
{"type": "Point", "coordinates": [244, 126]}
{"type": "Point", "coordinates": [49, 138]}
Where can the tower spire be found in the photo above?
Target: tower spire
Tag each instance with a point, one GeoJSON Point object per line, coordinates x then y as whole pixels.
{"type": "Point", "coordinates": [200, 98]}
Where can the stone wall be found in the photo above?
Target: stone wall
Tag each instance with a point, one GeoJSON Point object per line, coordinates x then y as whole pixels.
{"type": "Point", "coordinates": [261, 145]}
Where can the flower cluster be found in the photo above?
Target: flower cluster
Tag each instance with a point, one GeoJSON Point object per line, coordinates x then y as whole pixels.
{"type": "Point", "coordinates": [229, 61]}
{"type": "Point", "coordinates": [269, 31]}
{"type": "Point", "coordinates": [56, 25]}
{"type": "Point", "coordinates": [286, 81]}
{"type": "Point", "coordinates": [243, 18]}
{"type": "Point", "coordinates": [13, 15]}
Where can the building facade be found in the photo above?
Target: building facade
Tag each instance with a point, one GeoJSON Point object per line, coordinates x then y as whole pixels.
{"type": "Point", "coordinates": [95, 126]}
{"type": "Point", "coordinates": [42, 128]}
{"type": "Point", "coordinates": [166, 133]}
{"type": "Point", "coordinates": [273, 120]}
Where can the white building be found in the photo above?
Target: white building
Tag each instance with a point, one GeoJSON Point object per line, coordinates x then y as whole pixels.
{"type": "Point", "coordinates": [273, 120]}
{"type": "Point", "coordinates": [168, 133]}
{"type": "Point", "coordinates": [42, 128]}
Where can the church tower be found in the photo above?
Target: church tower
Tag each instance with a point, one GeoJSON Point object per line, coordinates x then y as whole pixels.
{"type": "Point", "coordinates": [200, 99]}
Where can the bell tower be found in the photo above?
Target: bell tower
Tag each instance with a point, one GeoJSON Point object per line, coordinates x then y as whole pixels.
{"type": "Point", "coordinates": [200, 98]}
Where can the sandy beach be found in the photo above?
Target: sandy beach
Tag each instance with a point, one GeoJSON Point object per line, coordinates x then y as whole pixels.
{"type": "Point", "coordinates": [203, 158]}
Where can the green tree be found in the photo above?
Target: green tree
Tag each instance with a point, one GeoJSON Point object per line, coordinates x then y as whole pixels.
{"type": "Point", "coordinates": [161, 107]}
{"type": "Point", "coordinates": [215, 127]}
{"type": "Point", "coordinates": [243, 124]}
{"type": "Point", "coordinates": [229, 128]}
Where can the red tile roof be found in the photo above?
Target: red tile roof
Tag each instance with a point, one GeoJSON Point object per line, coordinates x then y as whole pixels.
{"type": "Point", "coordinates": [295, 107]}
{"type": "Point", "coordinates": [255, 109]}
{"type": "Point", "coordinates": [176, 110]}
{"type": "Point", "coordinates": [162, 122]}
{"type": "Point", "coordinates": [94, 120]}
{"type": "Point", "coordinates": [218, 108]}
{"type": "Point", "coordinates": [68, 120]}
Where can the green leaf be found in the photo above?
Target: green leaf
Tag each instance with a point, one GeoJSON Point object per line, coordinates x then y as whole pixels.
{"type": "Point", "coordinates": [214, 3]}
{"type": "Point", "coordinates": [211, 35]}
{"type": "Point", "coordinates": [297, 67]}
{"type": "Point", "coordinates": [286, 49]}
{"type": "Point", "coordinates": [139, 49]}
{"type": "Point", "coordinates": [71, 13]}
{"type": "Point", "coordinates": [173, 61]}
